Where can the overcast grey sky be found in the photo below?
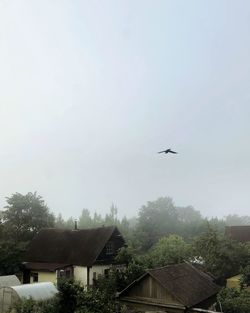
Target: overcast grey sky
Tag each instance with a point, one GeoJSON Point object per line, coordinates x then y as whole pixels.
{"type": "Point", "coordinates": [91, 90]}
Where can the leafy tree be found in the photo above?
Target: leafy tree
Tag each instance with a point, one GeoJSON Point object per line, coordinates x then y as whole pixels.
{"type": "Point", "coordinates": [221, 256]}
{"type": "Point", "coordinates": [245, 280]}
{"type": "Point", "coordinates": [156, 219]}
{"type": "Point", "coordinates": [124, 226]}
{"type": "Point", "coordinates": [59, 221]}
{"type": "Point", "coordinates": [95, 301]}
{"type": "Point", "coordinates": [70, 223]}
{"type": "Point", "coordinates": [111, 218]}
{"type": "Point", "coordinates": [25, 215]}
{"type": "Point", "coordinates": [216, 224]}
{"type": "Point", "coordinates": [233, 300]}
{"type": "Point", "coordinates": [191, 223]}
{"type": "Point", "coordinates": [22, 218]}
{"type": "Point", "coordinates": [98, 220]}
{"type": "Point", "coordinates": [67, 298]}
{"type": "Point", "coordinates": [169, 249]}
{"type": "Point", "coordinates": [10, 257]}
{"type": "Point", "coordinates": [85, 220]}
{"type": "Point", "coordinates": [188, 214]}
{"type": "Point", "coordinates": [234, 219]}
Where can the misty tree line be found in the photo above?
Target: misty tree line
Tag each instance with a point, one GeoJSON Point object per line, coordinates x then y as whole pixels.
{"type": "Point", "coordinates": [24, 215]}
{"type": "Point", "coordinates": [155, 219]}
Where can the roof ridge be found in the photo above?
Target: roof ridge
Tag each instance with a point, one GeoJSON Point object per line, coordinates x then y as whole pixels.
{"type": "Point", "coordinates": [66, 229]}
{"type": "Point", "coordinates": [168, 265]}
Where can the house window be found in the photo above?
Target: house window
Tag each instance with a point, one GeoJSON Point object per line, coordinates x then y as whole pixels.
{"type": "Point", "coordinates": [35, 277]}
{"type": "Point", "coordinates": [109, 248]}
{"type": "Point", "coordinates": [67, 274]}
{"type": "Point", "coordinates": [64, 273]}
{"type": "Point", "coordinates": [106, 272]}
{"type": "Point", "coordinates": [61, 273]}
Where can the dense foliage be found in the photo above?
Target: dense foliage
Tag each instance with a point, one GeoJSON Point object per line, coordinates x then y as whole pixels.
{"type": "Point", "coordinates": [24, 216]}
{"type": "Point", "coordinates": [170, 249]}
{"type": "Point", "coordinates": [233, 300]}
{"type": "Point", "coordinates": [221, 256]}
{"type": "Point", "coordinates": [20, 220]}
{"type": "Point", "coordinates": [245, 279]}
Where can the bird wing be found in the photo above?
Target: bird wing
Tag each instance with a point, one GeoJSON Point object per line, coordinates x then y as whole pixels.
{"type": "Point", "coordinates": [173, 152]}
{"type": "Point", "coordinates": [162, 151]}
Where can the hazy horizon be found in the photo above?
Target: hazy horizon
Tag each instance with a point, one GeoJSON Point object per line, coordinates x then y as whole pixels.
{"type": "Point", "coordinates": [91, 91]}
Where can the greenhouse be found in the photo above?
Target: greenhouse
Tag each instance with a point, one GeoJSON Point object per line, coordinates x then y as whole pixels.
{"type": "Point", "coordinates": [9, 280]}
{"type": "Point", "coordinates": [38, 292]}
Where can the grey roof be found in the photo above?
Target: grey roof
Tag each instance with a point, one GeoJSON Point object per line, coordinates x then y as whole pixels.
{"type": "Point", "coordinates": [37, 291]}
{"type": "Point", "coordinates": [9, 280]}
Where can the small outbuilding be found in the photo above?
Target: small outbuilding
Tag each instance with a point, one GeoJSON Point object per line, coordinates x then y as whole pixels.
{"type": "Point", "coordinates": [234, 281]}
{"type": "Point", "coordinates": [175, 288]}
{"type": "Point", "coordinates": [38, 292]}
{"type": "Point", "coordinates": [9, 280]}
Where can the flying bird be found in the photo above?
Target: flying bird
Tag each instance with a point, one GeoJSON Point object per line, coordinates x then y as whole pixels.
{"type": "Point", "coordinates": [168, 151]}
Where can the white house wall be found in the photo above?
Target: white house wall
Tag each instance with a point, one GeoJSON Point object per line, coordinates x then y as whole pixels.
{"type": "Point", "coordinates": [99, 270]}
{"type": "Point", "coordinates": [80, 274]}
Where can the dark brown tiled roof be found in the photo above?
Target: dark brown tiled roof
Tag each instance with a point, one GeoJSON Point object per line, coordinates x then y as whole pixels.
{"type": "Point", "coordinates": [238, 233]}
{"type": "Point", "coordinates": [186, 283]}
{"type": "Point", "coordinates": [77, 247]}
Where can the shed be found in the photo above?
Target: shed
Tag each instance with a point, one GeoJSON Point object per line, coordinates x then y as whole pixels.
{"type": "Point", "coordinates": [9, 280]}
{"type": "Point", "coordinates": [176, 288]}
{"type": "Point", "coordinates": [38, 292]}
{"type": "Point", "coordinates": [234, 281]}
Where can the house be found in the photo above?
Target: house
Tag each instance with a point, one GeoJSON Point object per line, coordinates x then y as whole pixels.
{"type": "Point", "coordinates": [238, 233]}
{"type": "Point", "coordinates": [80, 254]}
{"type": "Point", "coordinates": [174, 288]}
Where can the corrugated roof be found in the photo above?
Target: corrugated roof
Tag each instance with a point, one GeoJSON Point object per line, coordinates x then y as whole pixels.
{"type": "Point", "coordinates": [186, 283]}
{"type": "Point", "coordinates": [77, 247]}
{"type": "Point", "coordinates": [239, 233]}
{"type": "Point", "coordinates": [9, 280]}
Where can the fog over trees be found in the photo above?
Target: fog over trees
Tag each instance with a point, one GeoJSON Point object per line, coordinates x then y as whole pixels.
{"type": "Point", "coordinates": [166, 232]}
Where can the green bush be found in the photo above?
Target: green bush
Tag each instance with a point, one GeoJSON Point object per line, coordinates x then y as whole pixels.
{"type": "Point", "coordinates": [32, 306]}
{"type": "Point", "coordinates": [234, 300]}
